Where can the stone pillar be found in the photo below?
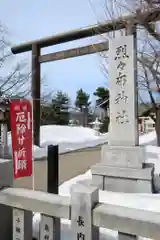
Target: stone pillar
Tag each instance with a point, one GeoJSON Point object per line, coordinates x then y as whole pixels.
{"type": "Point", "coordinates": [47, 228]}
{"type": "Point", "coordinates": [122, 160]}
{"type": "Point", "coordinates": [22, 224]}
{"type": "Point", "coordinates": [83, 200]}
{"type": "Point", "coordinates": [14, 223]}
{"type": "Point", "coordinates": [6, 180]}
{"type": "Point", "coordinates": [123, 88]}
{"type": "Point", "coordinates": [4, 140]}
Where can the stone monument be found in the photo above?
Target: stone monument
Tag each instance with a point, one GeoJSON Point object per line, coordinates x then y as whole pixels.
{"type": "Point", "coordinates": [122, 167]}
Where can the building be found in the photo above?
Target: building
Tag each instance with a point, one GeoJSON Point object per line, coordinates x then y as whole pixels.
{"type": "Point", "coordinates": [145, 119]}
{"type": "Point", "coordinates": [146, 124]}
{"type": "Point", "coordinates": [100, 111]}
{"type": "Point", "coordinates": [80, 118]}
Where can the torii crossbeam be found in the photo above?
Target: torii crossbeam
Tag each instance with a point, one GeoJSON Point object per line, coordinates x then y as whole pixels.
{"type": "Point", "coordinates": [151, 15]}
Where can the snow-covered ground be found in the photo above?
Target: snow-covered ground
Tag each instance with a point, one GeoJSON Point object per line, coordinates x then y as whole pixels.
{"type": "Point", "coordinates": [153, 156]}
{"type": "Point", "coordinates": [148, 139]}
{"type": "Point", "coordinates": [127, 200]}
{"type": "Point", "coordinates": [67, 137]}
{"type": "Point", "coordinates": [73, 138]}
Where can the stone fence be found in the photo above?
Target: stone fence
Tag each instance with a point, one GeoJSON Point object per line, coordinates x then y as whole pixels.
{"type": "Point", "coordinates": [84, 210]}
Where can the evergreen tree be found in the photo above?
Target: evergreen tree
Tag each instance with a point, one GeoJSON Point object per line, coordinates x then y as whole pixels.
{"type": "Point", "coordinates": [60, 105]}
{"type": "Point", "coordinates": [102, 95]}
{"type": "Point", "coordinates": [57, 111]}
{"type": "Point", "coordinates": [82, 99]}
{"type": "Point", "coordinates": [47, 114]}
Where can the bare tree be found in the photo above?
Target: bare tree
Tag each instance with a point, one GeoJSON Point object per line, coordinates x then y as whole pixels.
{"type": "Point", "coordinates": [148, 51]}
{"type": "Point", "coordinates": [15, 76]}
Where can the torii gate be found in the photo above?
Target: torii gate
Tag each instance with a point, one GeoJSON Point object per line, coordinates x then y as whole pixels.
{"type": "Point", "coordinates": [142, 18]}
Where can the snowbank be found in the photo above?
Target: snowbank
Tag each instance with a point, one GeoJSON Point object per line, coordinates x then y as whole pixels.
{"type": "Point", "coordinates": [149, 138]}
{"type": "Point", "coordinates": [67, 137]}
{"type": "Point", "coordinates": [128, 200]}
{"type": "Point", "coordinates": [124, 199]}
{"type": "Point", "coordinates": [152, 151]}
{"type": "Point", "coordinates": [73, 138]}
{"type": "Point", "coordinates": [70, 138]}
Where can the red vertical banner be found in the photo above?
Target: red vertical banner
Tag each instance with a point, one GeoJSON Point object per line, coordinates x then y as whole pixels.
{"type": "Point", "coordinates": [21, 132]}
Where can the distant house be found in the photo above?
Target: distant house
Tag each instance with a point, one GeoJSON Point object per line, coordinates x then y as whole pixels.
{"type": "Point", "coordinates": [76, 116]}
{"type": "Point", "coordinates": [145, 121]}
{"type": "Point", "coordinates": [146, 124]}
{"type": "Point", "coordinates": [81, 118]}
{"type": "Point", "coordinates": [101, 112]}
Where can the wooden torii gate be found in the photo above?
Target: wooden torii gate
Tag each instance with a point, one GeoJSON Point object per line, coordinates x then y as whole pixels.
{"type": "Point", "coordinates": [141, 17]}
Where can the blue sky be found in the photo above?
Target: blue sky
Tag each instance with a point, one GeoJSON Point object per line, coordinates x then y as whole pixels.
{"type": "Point", "coordinates": [33, 19]}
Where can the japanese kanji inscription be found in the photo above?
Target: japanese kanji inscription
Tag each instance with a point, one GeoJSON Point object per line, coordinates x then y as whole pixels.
{"type": "Point", "coordinates": [21, 130]}
{"type": "Point", "coordinates": [122, 83]}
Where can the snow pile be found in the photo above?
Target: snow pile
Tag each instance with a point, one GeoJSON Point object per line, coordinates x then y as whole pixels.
{"type": "Point", "coordinates": [73, 138]}
{"type": "Point", "coordinates": [70, 138]}
{"type": "Point", "coordinates": [142, 201]}
{"type": "Point", "coordinates": [152, 151]}
{"type": "Point", "coordinates": [128, 200]}
{"type": "Point", "coordinates": [149, 138]}
{"type": "Point", "coordinates": [60, 134]}
{"type": "Point", "coordinates": [67, 137]}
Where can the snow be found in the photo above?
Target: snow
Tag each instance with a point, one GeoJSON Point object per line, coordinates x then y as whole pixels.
{"type": "Point", "coordinates": [145, 202]}
{"type": "Point", "coordinates": [68, 138]}
{"type": "Point", "coordinates": [149, 138]}
{"type": "Point", "coordinates": [87, 138]}
{"type": "Point", "coordinates": [152, 151]}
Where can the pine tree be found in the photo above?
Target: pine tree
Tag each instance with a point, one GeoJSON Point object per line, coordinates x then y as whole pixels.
{"type": "Point", "coordinates": [82, 99]}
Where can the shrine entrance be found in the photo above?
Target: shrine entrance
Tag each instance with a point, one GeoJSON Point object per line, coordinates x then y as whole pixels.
{"type": "Point", "coordinates": [128, 22]}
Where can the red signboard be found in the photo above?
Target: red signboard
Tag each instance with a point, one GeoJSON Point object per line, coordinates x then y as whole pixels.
{"type": "Point", "coordinates": [21, 132]}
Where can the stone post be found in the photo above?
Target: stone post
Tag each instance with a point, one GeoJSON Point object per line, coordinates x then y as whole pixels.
{"type": "Point", "coordinates": [4, 140]}
{"type": "Point", "coordinates": [122, 159]}
{"type": "Point", "coordinates": [14, 223]}
{"type": "Point", "coordinates": [6, 180]}
{"type": "Point", "coordinates": [22, 224]}
{"type": "Point", "coordinates": [83, 199]}
{"type": "Point", "coordinates": [47, 228]}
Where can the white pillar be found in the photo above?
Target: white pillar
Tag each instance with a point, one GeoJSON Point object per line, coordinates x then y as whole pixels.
{"type": "Point", "coordinates": [4, 139]}
{"type": "Point", "coordinates": [83, 199]}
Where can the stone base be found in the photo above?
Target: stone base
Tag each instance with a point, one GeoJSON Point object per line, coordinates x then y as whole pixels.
{"type": "Point", "coordinates": [127, 180]}
{"type": "Point", "coordinates": [123, 156]}
{"type": "Point", "coordinates": [6, 172]}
